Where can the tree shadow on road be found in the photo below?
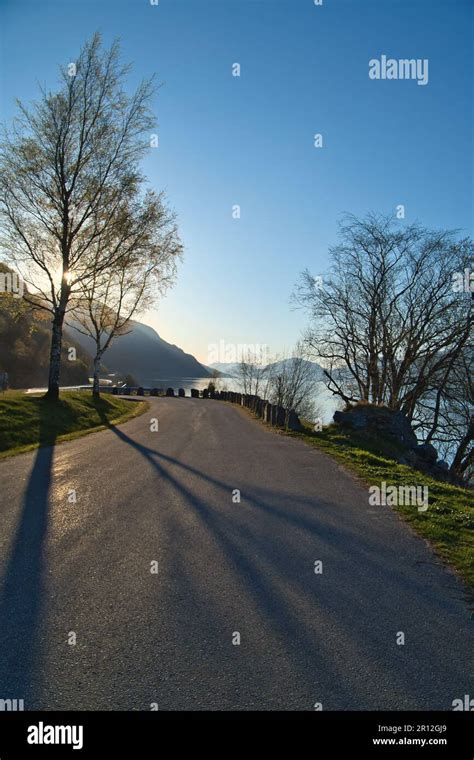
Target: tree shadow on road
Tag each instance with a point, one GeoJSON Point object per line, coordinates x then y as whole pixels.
{"type": "Point", "coordinates": [288, 603]}
{"type": "Point", "coordinates": [24, 582]}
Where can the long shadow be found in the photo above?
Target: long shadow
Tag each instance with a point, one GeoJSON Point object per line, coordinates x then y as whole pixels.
{"type": "Point", "coordinates": [308, 653]}
{"type": "Point", "coordinates": [296, 520]}
{"type": "Point", "coordinates": [23, 586]}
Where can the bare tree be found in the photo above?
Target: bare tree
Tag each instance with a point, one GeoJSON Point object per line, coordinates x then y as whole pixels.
{"type": "Point", "coordinates": [252, 372]}
{"type": "Point", "coordinates": [144, 269]}
{"type": "Point", "coordinates": [215, 381]}
{"type": "Point", "coordinates": [387, 320]}
{"type": "Point", "coordinates": [293, 383]}
{"type": "Point", "coordinates": [388, 326]}
{"type": "Point", "coordinates": [446, 415]}
{"type": "Point", "coordinates": [65, 166]}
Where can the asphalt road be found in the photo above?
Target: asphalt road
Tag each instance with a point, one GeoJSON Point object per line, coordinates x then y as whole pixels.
{"type": "Point", "coordinates": [224, 568]}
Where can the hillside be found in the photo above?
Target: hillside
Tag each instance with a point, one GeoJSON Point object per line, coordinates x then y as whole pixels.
{"type": "Point", "coordinates": [227, 369]}
{"type": "Point", "coordinates": [145, 355]}
{"type": "Point", "coordinates": [314, 369]}
{"type": "Point", "coordinates": [25, 338]}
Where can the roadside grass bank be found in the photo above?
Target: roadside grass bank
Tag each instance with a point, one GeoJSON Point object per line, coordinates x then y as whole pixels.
{"type": "Point", "coordinates": [448, 523]}
{"type": "Point", "coordinates": [30, 421]}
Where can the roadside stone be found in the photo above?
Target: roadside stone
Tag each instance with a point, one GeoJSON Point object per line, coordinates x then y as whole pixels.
{"type": "Point", "coordinates": [293, 421]}
{"type": "Point", "coordinates": [427, 453]}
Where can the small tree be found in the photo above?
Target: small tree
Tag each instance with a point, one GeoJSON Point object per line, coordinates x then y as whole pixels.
{"type": "Point", "coordinates": [293, 383]}
{"type": "Point", "coordinates": [252, 372]}
{"type": "Point", "coordinates": [213, 383]}
{"type": "Point", "coordinates": [145, 251]}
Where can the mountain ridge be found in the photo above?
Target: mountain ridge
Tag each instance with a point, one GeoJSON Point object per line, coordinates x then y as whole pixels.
{"type": "Point", "coordinates": [143, 353]}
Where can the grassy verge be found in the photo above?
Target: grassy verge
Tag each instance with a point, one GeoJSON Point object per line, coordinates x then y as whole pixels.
{"type": "Point", "coordinates": [449, 521]}
{"type": "Point", "coordinates": [28, 421]}
{"type": "Point", "coordinates": [448, 524]}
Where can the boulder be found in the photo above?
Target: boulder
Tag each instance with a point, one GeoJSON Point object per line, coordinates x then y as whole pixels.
{"type": "Point", "coordinates": [281, 417]}
{"type": "Point", "coordinates": [409, 458]}
{"type": "Point", "coordinates": [170, 391]}
{"type": "Point", "coordinates": [355, 419]}
{"type": "Point", "coordinates": [194, 393]}
{"type": "Point", "coordinates": [379, 420]}
{"type": "Point", "coordinates": [426, 452]}
{"type": "Point", "coordinates": [274, 414]}
{"type": "Point", "coordinates": [181, 393]}
{"type": "Point", "coordinates": [293, 421]}
{"type": "Point", "coordinates": [401, 429]}
{"type": "Point", "coordinates": [267, 414]}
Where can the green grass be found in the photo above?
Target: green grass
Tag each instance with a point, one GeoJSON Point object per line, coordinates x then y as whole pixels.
{"type": "Point", "coordinates": [29, 421]}
{"type": "Point", "coordinates": [449, 521]}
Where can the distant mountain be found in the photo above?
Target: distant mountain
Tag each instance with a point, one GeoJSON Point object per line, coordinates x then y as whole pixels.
{"type": "Point", "coordinates": [314, 368]}
{"type": "Point", "coordinates": [145, 355]}
{"type": "Point", "coordinates": [228, 369]}
{"type": "Point", "coordinates": [232, 369]}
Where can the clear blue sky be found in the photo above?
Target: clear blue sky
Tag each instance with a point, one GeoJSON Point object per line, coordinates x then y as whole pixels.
{"type": "Point", "coordinates": [249, 140]}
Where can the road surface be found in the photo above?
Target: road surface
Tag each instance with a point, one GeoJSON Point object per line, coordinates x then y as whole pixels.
{"type": "Point", "coordinates": [80, 571]}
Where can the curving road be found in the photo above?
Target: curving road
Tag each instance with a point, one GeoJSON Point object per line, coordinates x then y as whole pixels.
{"type": "Point", "coordinates": [224, 568]}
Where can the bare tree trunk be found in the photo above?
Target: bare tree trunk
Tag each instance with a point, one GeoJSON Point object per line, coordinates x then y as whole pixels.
{"type": "Point", "coordinates": [95, 383]}
{"type": "Point", "coordinates": [55, 357]}
{"type": "Point", "coordinates": [461, 462]}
